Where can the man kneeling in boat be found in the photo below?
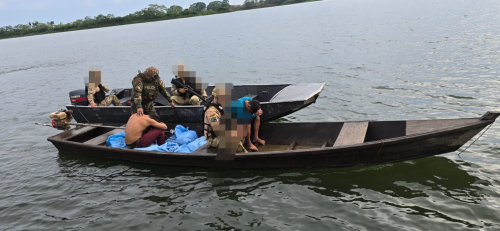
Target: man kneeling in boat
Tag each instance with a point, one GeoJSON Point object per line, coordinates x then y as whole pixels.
{"type": "Point", "coordinates": [142, 131]}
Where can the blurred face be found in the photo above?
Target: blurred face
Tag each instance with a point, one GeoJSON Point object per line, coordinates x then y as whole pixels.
{"type": "Point", "coordinates": [94, 79]}
{"type": "Point", "coordinates": [224, 91]}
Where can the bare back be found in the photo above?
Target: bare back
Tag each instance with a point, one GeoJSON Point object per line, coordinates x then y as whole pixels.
{"type": "Point", "coordinates": [136, 126]}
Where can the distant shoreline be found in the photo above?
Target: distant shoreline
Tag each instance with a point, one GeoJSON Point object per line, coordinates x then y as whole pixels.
{"type": "Point", "coordinates": [153, 13]}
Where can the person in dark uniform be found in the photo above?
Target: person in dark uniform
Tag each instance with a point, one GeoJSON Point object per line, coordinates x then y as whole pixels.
{"type": "Point", "coordinates": [145, 89]}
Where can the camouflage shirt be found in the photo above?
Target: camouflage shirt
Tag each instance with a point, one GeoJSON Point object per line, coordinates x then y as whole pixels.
{"type": "Point", "coordinates": [138, 90]}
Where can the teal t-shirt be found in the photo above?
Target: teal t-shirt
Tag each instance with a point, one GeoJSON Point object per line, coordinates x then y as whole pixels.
{"type": "Point", "coordinates": [240, 112]}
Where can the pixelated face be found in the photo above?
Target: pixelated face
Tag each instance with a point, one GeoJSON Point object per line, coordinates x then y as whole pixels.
{"type": "Point", "coordinates": [180, 69]}
{"type": "Point", "coordinates": [223, 91]}
{"type": "Point", "coordinates": [94, 78]}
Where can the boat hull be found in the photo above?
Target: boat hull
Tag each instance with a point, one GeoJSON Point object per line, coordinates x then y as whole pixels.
{"type": "Point", "coordinates": [276, 101]}
{"type": "Point", "coordinates": [377, 151]}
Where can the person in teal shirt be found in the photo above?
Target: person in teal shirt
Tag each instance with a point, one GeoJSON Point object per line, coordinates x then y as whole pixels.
{"type": "Point", "coordinates": [248, 112]}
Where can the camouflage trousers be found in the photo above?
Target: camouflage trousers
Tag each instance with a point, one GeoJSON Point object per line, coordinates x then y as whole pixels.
{"type": "Point", "coordinates": [111, 99]}
{"type": "Point", "coordinates": [147, 108]}
{"type": "Point", "coordinates": [194, 100]}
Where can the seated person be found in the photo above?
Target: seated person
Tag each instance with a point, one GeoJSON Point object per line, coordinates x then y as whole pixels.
{"type": "Point", "coordinates": [96, 91]}
{"type": "Point", "coordinates": [221, 130]}
{"type": "Point", "coordinates": [181, 96]}
{"type": "Point", "coordinates": [248, 113]}
{"type": "Point", "coordinates": [226, 129]}
{"type": "Point", "coordinates": [142, 131]}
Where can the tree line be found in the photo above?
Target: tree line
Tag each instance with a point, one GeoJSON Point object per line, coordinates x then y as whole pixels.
{"type": "Point", "coordinates": [153, 12]}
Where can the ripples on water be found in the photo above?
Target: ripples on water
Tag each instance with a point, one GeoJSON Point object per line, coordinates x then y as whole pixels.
{"type": "Point", "coordinates": [381, 60]}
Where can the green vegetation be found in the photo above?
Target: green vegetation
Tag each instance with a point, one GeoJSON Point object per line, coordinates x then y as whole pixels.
{"type": "Point", "coordinates": [154, 12]}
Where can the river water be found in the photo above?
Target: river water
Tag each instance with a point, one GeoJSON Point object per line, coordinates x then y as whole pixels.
{"type": "Point", "coordinates": [380, 60]}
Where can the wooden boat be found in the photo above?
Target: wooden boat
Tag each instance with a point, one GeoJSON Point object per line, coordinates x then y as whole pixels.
{"type": "Point", "coordinates": [276, 101]}
{"type": "Point", "coordinates": [293, 145]}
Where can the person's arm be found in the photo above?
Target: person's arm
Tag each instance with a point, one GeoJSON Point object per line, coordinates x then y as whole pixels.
{"type": "Point", "coordinates": [163, 89]}
{"type": "Point", "coordinates": [175, 91]}
{"type": "Point", "coordinates": [90, 97]}
{"type": "Point", "coordinates": [104, 88]}
{"type": "Point", "coordinates": [137, 97]}
{"type": "Point", "coordinates": [155, 124]}
{"type": "Point", "coordinates": [204, 94]}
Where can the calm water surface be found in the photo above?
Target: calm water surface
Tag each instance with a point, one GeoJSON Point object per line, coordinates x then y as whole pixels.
{"type": "Point", "coordinates": [380, 60]}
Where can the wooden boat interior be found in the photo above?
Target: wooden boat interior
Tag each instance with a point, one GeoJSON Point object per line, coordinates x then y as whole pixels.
{"type": "Point", "coordinates": [299, 136]}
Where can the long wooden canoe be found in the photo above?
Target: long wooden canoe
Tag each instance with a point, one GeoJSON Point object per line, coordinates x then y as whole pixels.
{"type": "Point", "coordinates": [294, 145]}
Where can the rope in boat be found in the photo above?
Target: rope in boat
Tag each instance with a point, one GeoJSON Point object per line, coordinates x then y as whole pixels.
{"type": "Point", "coordinates": [81, 114]}
{"type": "Point", "coordinates": [474, 141]}
{"type": "Point", "coordinates": [382, 141]}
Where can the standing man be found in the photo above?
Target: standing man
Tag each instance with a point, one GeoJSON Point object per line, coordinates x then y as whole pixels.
{"type": "Point", "coordinates": [145, 89]}
{"type": "Point", "coordinates": [96, 91]}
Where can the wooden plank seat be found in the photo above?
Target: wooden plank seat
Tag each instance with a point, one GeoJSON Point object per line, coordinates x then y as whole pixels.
{"type": "Point", "coordinates": [352, 133]}
{"type": "Point", "coordinates": [102, 138]}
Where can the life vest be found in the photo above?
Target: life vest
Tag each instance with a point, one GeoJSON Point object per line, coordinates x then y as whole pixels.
{"type": "Point", "coordinates": [149, 91]}
{"type": "Point", "coordinates": [98, 96]}
{"type": "Point", "coordinates": [188, 83]}
{"type": "Point", "coordinates": [219, 108]}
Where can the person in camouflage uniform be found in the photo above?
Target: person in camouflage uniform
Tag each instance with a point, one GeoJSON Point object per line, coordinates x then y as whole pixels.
{"type": "Point", "coordinates": [95, 95]}
{"type": "Point", "coordinates": [227, 136]}
{"type": "Point", "coordinates": [145, 89]}
{"type": "Point", "coordinates": [96, 91]}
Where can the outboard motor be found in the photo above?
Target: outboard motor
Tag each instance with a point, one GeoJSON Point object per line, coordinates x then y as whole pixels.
{"type": "Point", "coordinates": [78, 97]}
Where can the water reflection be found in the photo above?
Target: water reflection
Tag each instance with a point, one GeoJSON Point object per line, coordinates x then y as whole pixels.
{"type": "Point", "coordinates": [433, 187]}
{"type": "Point", "coordinates": [436, 173]}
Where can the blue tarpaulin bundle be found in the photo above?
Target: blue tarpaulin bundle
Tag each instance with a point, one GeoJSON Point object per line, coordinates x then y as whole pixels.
{"type": "Point", "coordinates": [184, 141]}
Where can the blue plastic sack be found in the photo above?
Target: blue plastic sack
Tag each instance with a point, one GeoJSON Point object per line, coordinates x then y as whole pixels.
{"type": "Point", "coordinates": [116, 141]}
{"type": "Point", "coordinates": [171, 145]}
{"type": "Point", "coordinates": [184, 135]}
{"type": "Point", "coordinates": [191, 147]}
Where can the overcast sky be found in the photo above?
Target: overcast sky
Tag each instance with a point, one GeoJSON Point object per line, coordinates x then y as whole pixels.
{"type": "Point", "coordinates": [13, 12]}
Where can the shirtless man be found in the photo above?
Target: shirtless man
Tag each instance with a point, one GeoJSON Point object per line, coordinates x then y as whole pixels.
{"type": "Point", "coordinates": [142, 131]}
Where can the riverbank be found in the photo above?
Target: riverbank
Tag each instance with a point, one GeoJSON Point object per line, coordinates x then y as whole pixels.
{"type": "Point", "coordinates": [153, 13]}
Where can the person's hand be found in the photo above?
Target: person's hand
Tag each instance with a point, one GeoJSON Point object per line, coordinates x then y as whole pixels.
{"type": "Point", "coordinates": [93, 105]}
{"type": "Point", "coordinates": [182, 90]}
{"type": "Point", "coordinates": [259, 112]}
{"type": "Point", "coordinates": [165, 125]}
{"type": "Point", "coordinates": [140, 111]}
{"type": "Point", "coordinates": [172, 104]}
